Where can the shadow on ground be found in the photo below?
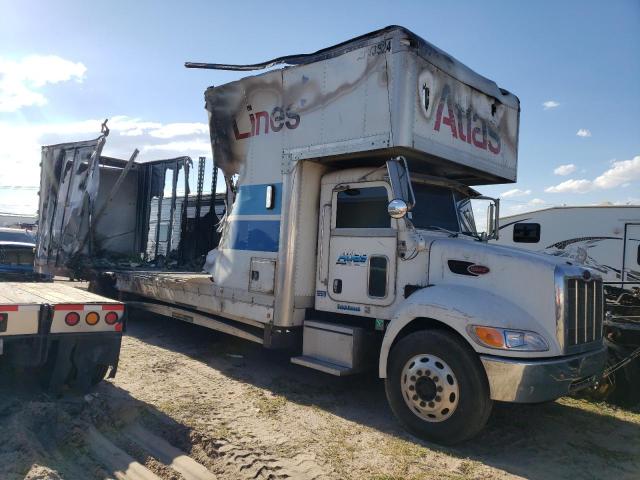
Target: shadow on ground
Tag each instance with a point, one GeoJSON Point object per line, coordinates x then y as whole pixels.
{"type": "Point", "coordinates": [566, 439]}
{"type": "Point", "coordinates": [92, 436]}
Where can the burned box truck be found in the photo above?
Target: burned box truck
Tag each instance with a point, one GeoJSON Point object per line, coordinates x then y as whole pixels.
{"type": "Point", "coordinates": [349, 236]}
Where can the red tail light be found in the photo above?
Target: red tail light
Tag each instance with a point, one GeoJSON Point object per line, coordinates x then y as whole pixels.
{"type": "Point", "coordinates": [72, 318]}
{"type": "Point", "coordinates": [111, 318]}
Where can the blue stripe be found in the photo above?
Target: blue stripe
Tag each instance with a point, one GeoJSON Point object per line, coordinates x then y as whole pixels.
{"type": "Point", "coordinates": [257, 235]}
{"type": "Point", "coordinates": [251, 200]}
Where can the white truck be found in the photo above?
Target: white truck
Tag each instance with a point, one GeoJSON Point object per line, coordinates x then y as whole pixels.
{"type": "Point", "coordinates": [605, 239]}
{"type": "Point", "coordinates": [349, 235]}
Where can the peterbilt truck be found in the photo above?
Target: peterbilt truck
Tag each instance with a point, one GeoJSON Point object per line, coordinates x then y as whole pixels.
{"type": "Point", "coordinates": [348, 235]}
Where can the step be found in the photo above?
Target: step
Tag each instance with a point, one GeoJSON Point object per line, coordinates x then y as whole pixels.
{"type": "Point", "coordinates": [323, 366]}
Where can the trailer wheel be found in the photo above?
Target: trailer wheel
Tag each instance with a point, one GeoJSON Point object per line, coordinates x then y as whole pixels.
{"type": "Point", "coordinates": [437, 387]}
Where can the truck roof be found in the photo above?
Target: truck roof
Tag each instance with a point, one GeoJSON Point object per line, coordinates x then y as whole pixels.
{"type": "Point", "coordinates": [386, 93]}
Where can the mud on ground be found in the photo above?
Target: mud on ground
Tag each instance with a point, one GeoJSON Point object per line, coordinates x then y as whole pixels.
{"type": "Point", "coordinates": [191, 403]}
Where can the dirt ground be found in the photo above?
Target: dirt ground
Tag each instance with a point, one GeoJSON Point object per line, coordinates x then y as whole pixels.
{"type": "Point", "coordinates": [189, 403]}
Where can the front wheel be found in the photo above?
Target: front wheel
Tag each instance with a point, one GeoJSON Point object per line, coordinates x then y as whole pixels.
{"type": "Point", "coordinates": [437, 387]}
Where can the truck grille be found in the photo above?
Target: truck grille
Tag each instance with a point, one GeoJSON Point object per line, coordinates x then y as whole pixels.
{"type": "Point", "coordinates": [584, 312]}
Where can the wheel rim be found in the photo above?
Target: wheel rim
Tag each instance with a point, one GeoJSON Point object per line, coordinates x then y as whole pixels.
{"type": "Point", "coordinates": [429, 388]}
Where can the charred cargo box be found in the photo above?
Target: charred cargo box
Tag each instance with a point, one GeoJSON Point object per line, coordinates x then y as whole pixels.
{"type": "Point", "coordinates": [386, 93]}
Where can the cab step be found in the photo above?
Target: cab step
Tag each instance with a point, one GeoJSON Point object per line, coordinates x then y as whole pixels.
{"type": "Point", "coordinates": [323, 366]}
{"type": "Point", "coordinates": [336, 349]}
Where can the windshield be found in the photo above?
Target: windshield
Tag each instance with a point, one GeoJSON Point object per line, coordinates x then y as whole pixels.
{"type": "Point", "coordinates": [441, 207]}
{"type": "Point", "coordinates": [16, 236]}
{"type": "Point", "coordinates": [435, 207]}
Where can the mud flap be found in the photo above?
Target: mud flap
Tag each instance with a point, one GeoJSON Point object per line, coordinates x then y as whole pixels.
{"type": "Point", "coordinates": [76, 361]}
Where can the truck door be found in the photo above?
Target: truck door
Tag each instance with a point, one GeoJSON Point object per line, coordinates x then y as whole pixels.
{"type": "Point", "coordinates": [631, 262]}
{"type": "Point", "coordinates": [362, 246]}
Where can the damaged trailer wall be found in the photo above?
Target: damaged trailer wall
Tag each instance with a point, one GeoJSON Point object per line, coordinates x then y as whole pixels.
{"type": "Point", "coordinates": [100, 213]}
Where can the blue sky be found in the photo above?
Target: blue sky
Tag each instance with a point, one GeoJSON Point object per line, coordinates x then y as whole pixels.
{"type": "Point", "coordinates": [65, 65]}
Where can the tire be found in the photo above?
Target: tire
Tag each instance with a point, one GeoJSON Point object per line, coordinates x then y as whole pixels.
{"type": "Point", "coordinates": [460, 405]}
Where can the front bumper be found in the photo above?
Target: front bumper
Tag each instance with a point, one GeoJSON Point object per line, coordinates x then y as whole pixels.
{"type": "Point", "coordinates": [533, 381]}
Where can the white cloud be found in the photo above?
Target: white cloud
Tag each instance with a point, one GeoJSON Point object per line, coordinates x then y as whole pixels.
{"type": "Point", "coordinates": [583, 132]}
{"type": "Point", "coordinates": [179, 129]}
{"type": "Point", "coordinates": [620, 174]}
{"type": "Point", "coordinates": [549, 104]}
{"type": "Point", "coordinates": [533, 204]}
{"type": "Point", "coordinates": [198, 146]}
{"type": "Point", "coordinates": [515, 192]}
{"type": "Point", "coordinates": [20, 144]}
{"type": "Point", "coordinates": [135, 127]}
{"type": "Point", "coordinates": [20, 80]}
{"type": "Point", "coordinates": [565, 169]}
{"type": "Point", "coordinates": [571, 186]}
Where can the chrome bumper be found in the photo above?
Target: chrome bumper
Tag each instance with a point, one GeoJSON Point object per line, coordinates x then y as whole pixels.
{"type": "Point", "coordinates": [532, 381]}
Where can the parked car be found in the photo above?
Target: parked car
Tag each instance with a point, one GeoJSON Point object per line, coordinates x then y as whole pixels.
{"type": "Point", "coordinates": [17, 251]}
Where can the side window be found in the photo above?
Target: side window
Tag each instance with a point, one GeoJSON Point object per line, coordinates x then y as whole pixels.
{"type": "Point", "coordinates": [638, 258]}
{"type": "Point", "coordinates": [378, 266]}
{"type": "Point", "coordinates": [363, 208]}
{"type": "Point", "coordinates": [526, 232]}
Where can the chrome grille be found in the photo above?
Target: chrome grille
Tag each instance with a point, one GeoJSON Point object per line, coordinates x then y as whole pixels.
{"type": "Point", "coordinates": [584, 312]}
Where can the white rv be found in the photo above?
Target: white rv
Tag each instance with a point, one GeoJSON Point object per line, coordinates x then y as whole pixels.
{"type": "Point", "coordinates": [604, 238]}
{"type": "Point", "coordinates": [349, 235]}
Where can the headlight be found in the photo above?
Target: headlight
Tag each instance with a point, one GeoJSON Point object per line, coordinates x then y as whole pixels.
{"type": "Point", "coordinates": [507, 339]}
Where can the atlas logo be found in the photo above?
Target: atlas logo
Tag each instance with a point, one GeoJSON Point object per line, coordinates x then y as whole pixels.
{"type": "Point", "coordinates": [351, 259]}
{"type": "Point", "coordinates": [275, 121]}
{"type": "Point", "coordinates": [465, 125]}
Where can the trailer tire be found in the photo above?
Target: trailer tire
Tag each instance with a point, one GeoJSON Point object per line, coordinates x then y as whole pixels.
{"type": "Point", "coordinates": [436, 359]}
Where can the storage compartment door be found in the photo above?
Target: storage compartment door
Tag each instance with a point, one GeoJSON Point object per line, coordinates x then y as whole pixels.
{"type": "Point", "coordinates": [262, 275]}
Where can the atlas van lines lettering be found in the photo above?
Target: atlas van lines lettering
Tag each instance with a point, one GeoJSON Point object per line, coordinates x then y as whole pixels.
{"type": "Point", "coordinates": [477, 133]}
{"type": "Point", "coordinates": [280, 117]}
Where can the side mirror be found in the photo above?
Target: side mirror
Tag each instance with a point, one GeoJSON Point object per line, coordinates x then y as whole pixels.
{"type": "Point", "coordinates": [400, 181]}
{"type": "Point", "coordinates": [397, 208]}
{"type": "Point", "coordinates": [493, 226]}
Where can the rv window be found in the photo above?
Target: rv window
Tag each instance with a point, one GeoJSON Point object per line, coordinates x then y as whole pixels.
{"type": "Point", "coordinates": [378, 276]}
{"type": "Point", "coordinates": [526, 232]}
{"type": "Point", "coordinates": [363, 208]}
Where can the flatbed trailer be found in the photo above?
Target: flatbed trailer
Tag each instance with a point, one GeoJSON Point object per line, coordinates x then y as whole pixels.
{"type": "Point", "coordinates": [72, 335]}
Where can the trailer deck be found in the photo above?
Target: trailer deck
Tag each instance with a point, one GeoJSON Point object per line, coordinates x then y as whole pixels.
{"type": "Point", "coordinates": [47, 293]}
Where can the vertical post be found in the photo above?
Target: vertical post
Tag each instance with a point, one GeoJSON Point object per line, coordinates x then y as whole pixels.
{"type": "Point", "coordinates": [214, 183]}
{"type": "Point", "coordinates": [159, 216]}
{"type": "Point", "coordinates": [199, 199]}
{"type": "Point", "coordinates": [174, 186]}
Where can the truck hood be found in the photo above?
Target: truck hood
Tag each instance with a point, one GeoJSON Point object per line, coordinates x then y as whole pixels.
{"type": "Point", "coordinates": [521, 278]}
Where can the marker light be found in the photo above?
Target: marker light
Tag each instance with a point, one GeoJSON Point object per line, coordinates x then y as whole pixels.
{"type": "Point", "coordinates": [504, 339]}
{"type": "Point", "coordinates": [490, 337]}
{"type": "Point", "coordinates": [111, 318]}
{"type": "Point", "coordinates": [72, 318]}
{"type": "Point", "coordinates": [92, 318]}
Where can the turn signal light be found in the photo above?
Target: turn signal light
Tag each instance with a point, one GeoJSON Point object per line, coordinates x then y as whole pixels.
{"type": "Point", "coordinates": [491, 337]}
{"type": "Point", "coordinates": [111, 318]}
{"type": "Point", "coordinates": [72, 318]}
{"type": "Point", "coordinates": [92, 318]}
